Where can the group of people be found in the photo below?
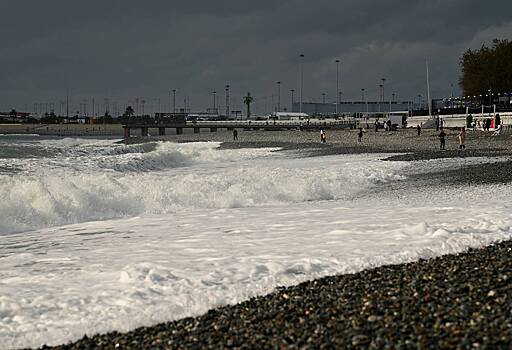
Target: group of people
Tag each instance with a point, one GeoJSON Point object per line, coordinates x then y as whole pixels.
{"type": "Point", "coordinates": [461, 136]}
{"type": "Point", "coordinates": [442, 135]}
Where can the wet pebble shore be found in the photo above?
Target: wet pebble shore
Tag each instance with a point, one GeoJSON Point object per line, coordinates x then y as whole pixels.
{"type": "Point", "coordinates": [459, 301]}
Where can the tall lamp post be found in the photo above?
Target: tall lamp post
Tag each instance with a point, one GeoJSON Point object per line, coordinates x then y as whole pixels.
{"type": "Point", "coordinates": [227, 101]}
{"type": "Point", "coordinates": [301, 80]}
{"type": "Point", "coordinates": [279, 96]}
{"type": "Point", "coordinates": [383, 95]}
{"type": "Point", "coordinates": [381, 87]}
{"type": "Point", "coordinates": [292, 91]}
{"type": "Point", "coordinates": [339, 98]}
{"type": "Point", "coordinates": [174, 101]}
{"type": "Point", "coordinates": [214, 101]}
{"type": "Point", "coordinates": [451, 96]}
{"type": "Point", "coordinates": [337, 85]}
{"type": "Point", "coordinates": [362, 95]}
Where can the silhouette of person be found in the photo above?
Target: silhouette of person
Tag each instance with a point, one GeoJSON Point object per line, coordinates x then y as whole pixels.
{"type": "Point", "coordinates": [442, 139]}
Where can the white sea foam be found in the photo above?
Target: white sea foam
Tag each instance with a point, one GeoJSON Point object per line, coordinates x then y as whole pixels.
{"type": "Point", "coordinates": [214, 228]}
{"type": "Point", "coordinates": [66, 190]}
{"type": "Point", "coordinates": [121, 274]}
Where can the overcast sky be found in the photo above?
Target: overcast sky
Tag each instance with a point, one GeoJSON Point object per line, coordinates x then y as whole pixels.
{"type": "Point", "coordinates": [124, 49]}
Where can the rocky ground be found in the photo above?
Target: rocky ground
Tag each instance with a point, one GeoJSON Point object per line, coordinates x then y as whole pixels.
{"type": "Point", "coordinates": [425, 146]}
{"type": "Point", "coordinates": [456, 301]}
{"type": "Point", "coordinates": [459, 301]}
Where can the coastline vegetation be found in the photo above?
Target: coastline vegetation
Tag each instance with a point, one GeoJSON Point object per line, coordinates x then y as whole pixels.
{"type": "Point", "coordinates": [487, 70]}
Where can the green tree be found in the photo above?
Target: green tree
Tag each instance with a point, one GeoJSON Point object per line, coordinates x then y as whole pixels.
{"type": "Point", "coordinates": [248, 100]}
{"type": "Point", "coordinates": [489, 68]}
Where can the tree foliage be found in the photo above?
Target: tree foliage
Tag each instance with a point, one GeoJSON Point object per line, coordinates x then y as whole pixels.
{"type": "Point", "coordinates": [487, 68]}
{"type": "Point", "coordinates": [129, 112]}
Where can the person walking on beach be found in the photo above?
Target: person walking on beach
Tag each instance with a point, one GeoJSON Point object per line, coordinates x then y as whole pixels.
{"type": "Point", "coordinates": [360, 135]}
{"type": "Point", "coordinates": [418, 128]}
{"type": "Point", "coordinates": [462, 138]}
{"type": "Point", "coordinates": [235, 134]}
{"type": "Point", "coordinates": [376, 126]}
{"type": "Point", "coordinates": [322, 136]}
{"type": "Point", "coordinates": [442, 140]}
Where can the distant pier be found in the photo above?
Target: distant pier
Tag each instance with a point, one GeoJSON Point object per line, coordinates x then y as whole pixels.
{"type": "Point", "coordinates": [213, 126]}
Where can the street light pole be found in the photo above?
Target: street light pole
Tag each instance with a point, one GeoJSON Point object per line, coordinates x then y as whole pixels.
{"type": "Point", "coordinates": [174, 101]}
{"type": "Point", "coordinates": [214, 101]}
{"type": "Point", "coordinates": [362, 95]}
{"type": "Point", "coordinates": [279, 96]}
{"type": "Point", "coordinates": [227, 101]}
{"type": "Point", "coordinates": [381, 87]}
{"type": "Point", "coordinates": [337, 84]}
{"type": "Point", "coordinates": [383, 95]}
{"type": "Point", "coordinates": [292, 91]}
{"type": "Point", "coordinates": [301, 81]}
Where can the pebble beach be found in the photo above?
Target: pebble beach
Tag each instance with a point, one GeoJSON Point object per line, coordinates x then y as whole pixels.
{"type": "Point", "coordinates": [454, 301]}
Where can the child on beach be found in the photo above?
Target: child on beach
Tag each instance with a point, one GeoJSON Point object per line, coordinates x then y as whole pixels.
{"type": "Point", "coordinates": [442, 140]}
{"type": "Point", "coordinates": [462, 138]}
{"type": "Point", "coordinates": [418, 128]}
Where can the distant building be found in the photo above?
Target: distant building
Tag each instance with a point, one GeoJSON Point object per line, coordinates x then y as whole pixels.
{"type": "Point", "coordinates": [353, 107]}
{"type": "Point", "coordinates": [288, 116]}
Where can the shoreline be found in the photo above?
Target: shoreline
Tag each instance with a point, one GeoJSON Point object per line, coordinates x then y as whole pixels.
{"type": "Point", "coordinates": [458, 300]}
{"type": "Point", "coordinates": [345, 141]}
{"type": "Point", "coordinates": [417, 304]}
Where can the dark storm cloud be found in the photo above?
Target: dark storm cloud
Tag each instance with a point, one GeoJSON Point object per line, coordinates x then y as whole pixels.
{"type": "Point", "coordinates": [128, 49]}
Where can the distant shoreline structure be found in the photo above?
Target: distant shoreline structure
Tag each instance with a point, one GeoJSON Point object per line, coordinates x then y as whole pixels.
{"type": "Point", "coordinates": [62, 129]}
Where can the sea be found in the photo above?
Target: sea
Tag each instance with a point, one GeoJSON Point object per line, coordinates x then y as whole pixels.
{"type": "Point", "coordinates": [97, 236]}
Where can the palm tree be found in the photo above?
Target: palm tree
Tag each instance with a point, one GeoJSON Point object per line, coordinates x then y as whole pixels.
{"type": "Point", "coordinates": [129, 112]}
{"type": "Point", "coordinates": [248, 100]}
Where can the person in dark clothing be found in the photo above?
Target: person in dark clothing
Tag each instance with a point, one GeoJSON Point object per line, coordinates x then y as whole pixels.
{"type": "Point", "coordinates": [442, 140]}
{"type": "Point", "coordinates": [235, 134]}
{"type": "Point", "coordinates": [376, 125]}
{"type": "Point", "coordinates": [418, 128]}
{"type": "Point", "coordinates": [487, 124]}
{"type": "Point", "coordinates": [360, 135]}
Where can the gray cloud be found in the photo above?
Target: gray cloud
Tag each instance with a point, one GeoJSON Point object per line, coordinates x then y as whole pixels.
{"type": "Point", "coordinates": [128, 49]}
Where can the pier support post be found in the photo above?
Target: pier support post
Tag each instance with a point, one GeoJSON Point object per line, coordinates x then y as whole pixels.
{"type": "Point", "coordinates": [126, 132]}
{"type": "Point", "coordinates": [179, 131]}
{"type": "Point", "coordinates": [144, 132]}
{"type": "Point", "coordinates": [213, 129]}
{"type": "Point", "coordinates": [196, 130]}
{"type": "Point", "coordinates": [161, 131]}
